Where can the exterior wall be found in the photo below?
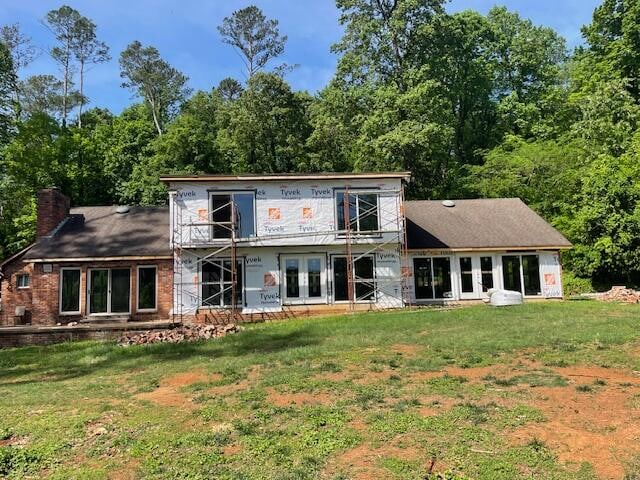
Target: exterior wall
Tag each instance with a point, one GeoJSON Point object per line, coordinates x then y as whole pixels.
{"type": "Point", "coordinates": [294, 212]}
{"type": "Point", "coordinates": [11, 296]}
{"type": "Point", "coordinates": [264, 279]}
{"type": "Point", "coordinates": [43, 297]}
{"type": "Point", "coordinates": [550, 272]}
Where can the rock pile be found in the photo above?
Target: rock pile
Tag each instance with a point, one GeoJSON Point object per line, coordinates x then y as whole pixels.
{"type": "Point", "coordinates": [620, 294]}
{"type": "Point", "coordinates": [184, 333]}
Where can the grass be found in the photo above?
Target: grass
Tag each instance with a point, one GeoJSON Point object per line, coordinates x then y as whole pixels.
{"type": "Point", "coordinates": [291, 400]}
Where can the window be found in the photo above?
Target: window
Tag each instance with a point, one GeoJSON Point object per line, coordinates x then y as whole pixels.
{"type": "Point", "coordinates": [466, 274]}
{"type": "Point", "coordinates": [362, 209]}
{"type": "Point", "coordinates": [432, 278]}
{"type": "Point", "coordinates": [486, 270]}
{"type": "Point", "coordinates": [522, 270]}
{"type": "Point", "coordinates": [217, 283]}
{"type": "Point", "coordinates": [363, 279]}
{"type": "Point", "coordinates": [147, 288]}
{"type": "Point", "coordinates": [243, 206]}
{"type": "Point", "coordinates": [23, 280]}
{"type": "Point", "coordinates": [70, 290]}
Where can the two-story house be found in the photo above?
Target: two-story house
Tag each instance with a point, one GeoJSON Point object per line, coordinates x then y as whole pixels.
{"type": "Point", "coordinates": [258, 243]}
{"type": "Point", "coordinates": [261, 246]}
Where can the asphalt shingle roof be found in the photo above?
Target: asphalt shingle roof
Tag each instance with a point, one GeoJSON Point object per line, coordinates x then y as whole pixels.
{"type": "Point", "coordinates": [501, 223]}
{"type": "Point", "coordinates": [102, 232]}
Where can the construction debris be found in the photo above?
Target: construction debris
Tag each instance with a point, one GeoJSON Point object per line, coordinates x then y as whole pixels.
{"type": "Point", "coordinates": [620, 294]}
{"type": "Point", "coordinates": [184, 333]}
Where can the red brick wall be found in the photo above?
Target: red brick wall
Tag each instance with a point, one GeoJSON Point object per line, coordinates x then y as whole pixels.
{"type": "Point", "coordinates": [11, 296]}
{"type": "Point", "coordinates": [53, 208]}
{"type": "Point", "coordinates": [44, 294]}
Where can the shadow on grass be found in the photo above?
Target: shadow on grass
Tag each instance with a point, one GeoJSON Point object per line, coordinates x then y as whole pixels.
{"type": "Point", "coordinates": [71, 360]}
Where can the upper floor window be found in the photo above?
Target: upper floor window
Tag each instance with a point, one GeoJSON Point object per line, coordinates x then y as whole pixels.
{"type": "Point", "coordinates": [242, 204]}
{"type": "Point", "coordinates": [23, 280]}
{"type": "Point", "coordinates": [362, 211]}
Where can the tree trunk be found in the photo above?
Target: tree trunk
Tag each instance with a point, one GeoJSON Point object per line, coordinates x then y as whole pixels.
{"type": "Point", "coordinates": [81, 94]}
{"type": "Point", "coordinates": [65, 88]}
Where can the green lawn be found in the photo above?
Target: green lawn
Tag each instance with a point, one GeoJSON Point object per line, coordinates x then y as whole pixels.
{"type": "Point", "coordinates": [477, 392]}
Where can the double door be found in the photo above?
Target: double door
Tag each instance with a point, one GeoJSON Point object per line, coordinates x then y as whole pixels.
{"type": "Point", "coordinates": [109, 291]}
{"type": "Point", "coordinates": [304, 279]}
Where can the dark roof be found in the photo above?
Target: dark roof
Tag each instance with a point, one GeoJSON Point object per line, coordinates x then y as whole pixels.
{"type": "Point", "coordinates": [501, 223]}
{"type": "Point", "coordinates": [284, 176]}
{"type": "Point", "coordinates": [92, 232]}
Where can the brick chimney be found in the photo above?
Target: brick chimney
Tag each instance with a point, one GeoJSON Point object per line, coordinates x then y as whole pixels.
{"type": "Point", "coordinates": [53, 208]}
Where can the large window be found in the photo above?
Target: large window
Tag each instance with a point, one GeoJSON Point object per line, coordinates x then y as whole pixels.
{"type": "Point", "coordinates": [70, 291]}
{"type": "Point", "coordinates": [109, 290]}
{"type": "Point", "coordinates": [362, 209]}
{"type": "Point", "coordinates": [147, 288]}
{"type": "Point", "coordinates": [221, 208]}
{"type": "Point", "coordinates": [217, 283]}
{"type": "Point", "coordinates": [432, 278]}
{"type": "Point", "coordinates": [520, 271]}
{"type": "Point", "coordinates": [363, 277]}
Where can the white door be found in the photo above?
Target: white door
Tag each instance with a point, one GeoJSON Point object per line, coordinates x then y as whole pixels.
{"type": "Point", "coordinates": [304, 279]}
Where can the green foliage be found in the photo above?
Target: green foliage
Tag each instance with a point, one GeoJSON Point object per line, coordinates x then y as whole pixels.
{"type": "Point", "coordinates": [574, 285]}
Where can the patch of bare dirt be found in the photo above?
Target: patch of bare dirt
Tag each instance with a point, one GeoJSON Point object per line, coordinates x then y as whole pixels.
{"type": "Point", "coordinates": [168, 393]}
{"type": "Point", "coordinates": [14, 442]}
{"type": "Point", "coordinates": [408, 349]}
{"type": "Point", "coordinates": [361, 462]}
{"type": "Point", "coordinates": [128, 472]}
{"type": "Point", "coordinates": [233, 449]}
{"type": "Point", "coordinates": [280, 399]}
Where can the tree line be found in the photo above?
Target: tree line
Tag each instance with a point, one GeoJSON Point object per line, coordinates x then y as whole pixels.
{"type": "Point", "coordinates": [474, 105]}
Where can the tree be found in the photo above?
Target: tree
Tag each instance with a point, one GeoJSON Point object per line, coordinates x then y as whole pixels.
{"type": "Point", "coordinates": [87, 50]}
{"type": "Point", "coordinates": [152, 78]}
{"type": "Point", "coordinates": [229, 89]}
{"type": "Point", "coordinates": [42, 94]}
{"type": "Point", "coordinates": [7, 85]}
{"type": "Point", "coordinates": [381, 38]}
{"type": "Point", "coordinates": [63, 24]}
{"type": "Point", "coordinates": [22, 51]}
{"type": "Point", "coordinates": [256, 38]}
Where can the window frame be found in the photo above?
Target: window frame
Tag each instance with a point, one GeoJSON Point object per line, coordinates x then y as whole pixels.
{"type": "Point", "coordinates": [109, 292]}
{"type": "Point", "coordinates": [20, 276]}
{"type": "Point", "coordinates": [521, 272]}
{"type": "Point", "coordinates": [221, 282]}
{"type": "Point", "coordinates": [374, 297]}
{"type": "Point", "coordinates": [61, 276]}
{"type": "Point", "coordinates": [230, 194]}
{"type": "Point", "coordinates": [356, 192]}
{"type": "Point", "coordinates": [146, 310]}
{"type": "Point", "coordinates": [467, 273]}
{"type": "Point", "coordinates": [432, 271]}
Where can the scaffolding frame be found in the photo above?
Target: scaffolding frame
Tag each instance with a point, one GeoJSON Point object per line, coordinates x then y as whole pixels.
{"type": "Point", "coordinates": [226, 249]}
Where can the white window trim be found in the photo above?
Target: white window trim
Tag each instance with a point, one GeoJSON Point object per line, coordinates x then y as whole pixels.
{"type": "Point", "coordinates": [79, 311]}
{"type": "Point", "coordinates": [146, 310]}
{"type": "Point", "coordinates": [357, 231]}
{"type": "Point", "coordinates": [304, 299]}
{"type": "Point", "coordinates": [108, 312]}
{"type": "Point", "coordinates": [375, 279]}
{"type": "Point", "coordinates": [451, 279]}
{"type": "Point", "coordinates": [23, 287]}
{"type": "Point", "coordinates": [231, 193]}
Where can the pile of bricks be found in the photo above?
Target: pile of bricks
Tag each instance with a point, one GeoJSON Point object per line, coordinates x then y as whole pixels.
{"type": "Point", "coordinates": [620, 294]}
{"type": "Point", "coordinates": [184, 333]}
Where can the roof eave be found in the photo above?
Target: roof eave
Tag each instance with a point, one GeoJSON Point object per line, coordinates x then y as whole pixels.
{"type": "Point", "coordinates": [406, 176]}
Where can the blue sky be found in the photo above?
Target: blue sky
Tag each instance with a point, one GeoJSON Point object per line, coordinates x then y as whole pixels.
{"type": "Point", "coordinates": [185, 33]}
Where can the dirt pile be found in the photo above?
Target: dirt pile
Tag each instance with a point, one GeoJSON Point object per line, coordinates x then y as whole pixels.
{"type": "Point", "coordinates": [184, 333]}
{"type": "Point", "coordinates": [620, 294]}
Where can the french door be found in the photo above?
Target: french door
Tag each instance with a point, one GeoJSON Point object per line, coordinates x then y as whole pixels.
{"type": "Point", "coordinates": [304, 279]}
{"type": "Point", "coordinates": [109, 291]}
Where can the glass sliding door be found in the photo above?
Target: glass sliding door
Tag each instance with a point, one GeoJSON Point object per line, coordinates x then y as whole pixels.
{"type": "Point", "coordinates": [99, 291]}
{"type": "Point", "coordinates": [432, 278]}
{"type": "Point", "coordinates": [511, 273]}
{"type": "Point", "coordinates": [109, 290]}
{"type": "Point", "coordinates": [363, 276]}
{"type": "Point", "coordinates": [120, 290]}
{"type": "Point", "coordinates": [340, 281]}
{"type": "Point", "coordinates": [531, 274]}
